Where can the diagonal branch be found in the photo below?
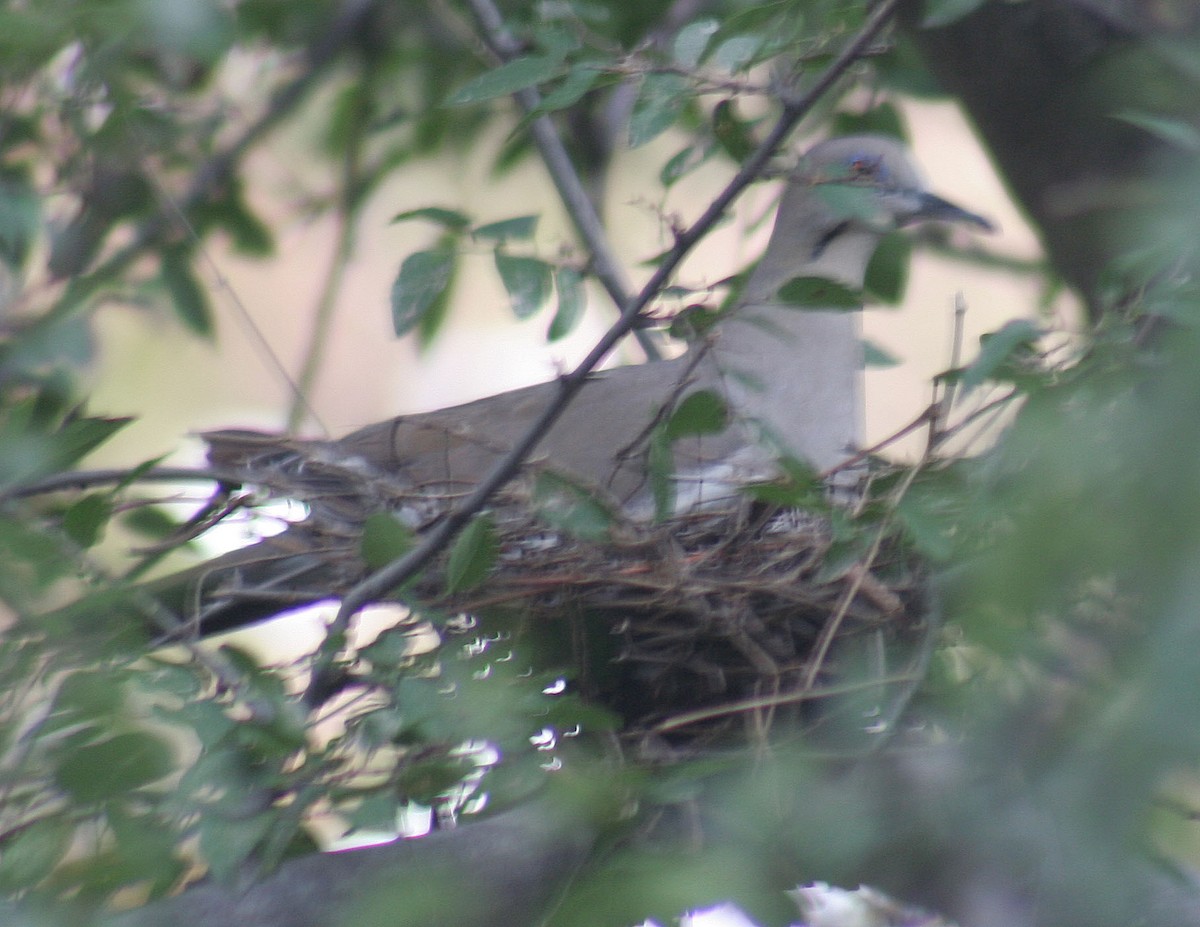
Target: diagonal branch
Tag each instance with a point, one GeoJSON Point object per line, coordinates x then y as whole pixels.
{"type": "Point", "coordinates": [384, 580]}
{"type": "Point", "coordinates": [86, 479]}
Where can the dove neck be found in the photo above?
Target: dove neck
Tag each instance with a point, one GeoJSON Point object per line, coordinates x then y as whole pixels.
{"type": "Point", "coordinates": [793, 376]}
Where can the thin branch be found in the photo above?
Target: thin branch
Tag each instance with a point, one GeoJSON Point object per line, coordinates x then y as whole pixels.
{"type": "Point", "coordinates": [250, 327]}
{"type": "Point", "coordinates": [859, 574]}
{"type": "Point", "coordinates": [326, 306]}
{"type": "Point", "coordinates": [395, 573]}
{"type": "Point", "coordinates": [84, 479]}
{"type": "Point", "coordinates": [709, 83]}
{"type": "Point", "coordinates": [993, 407]}
{"type": "Point", "coordinates": [915, 424]}
{"type": "Point", "coordinates": [918, 668]}
{"type": "Point", "coordinates": [778, 700]}
{"type": "Point", "coordinates": [943, 407]}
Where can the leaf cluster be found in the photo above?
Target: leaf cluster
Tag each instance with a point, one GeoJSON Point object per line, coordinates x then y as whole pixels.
{"type": "Point", "coordinates": [1062, 555]}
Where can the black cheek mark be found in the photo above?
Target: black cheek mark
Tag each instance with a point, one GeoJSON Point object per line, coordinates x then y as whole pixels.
{"type": "Point", "coordinates": [825, 240]}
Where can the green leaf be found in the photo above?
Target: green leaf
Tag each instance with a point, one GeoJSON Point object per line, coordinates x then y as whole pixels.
{"type": "Point", "coordinates": [227, 840]}
{"type": "Point", "coordinates": [1178, 132]}
{"type": "Point", "coordinates": [875, 356]}
{"type": "Point", "coordinates": [801, 487]}
{"type": "Point", "coordinates": [517, 147]}
{"type": "Point", "coordinates": [564, 504]}
{"type": "Point", "coordinates": [389, 649]}
{"type": "Point", "coordinates": [377, 812]}
{"type": "Point", "coordinates": [692, 41]}
{"type": "Point", "coordinates": [571, 302]}
{"type": "Point", "coordinates": [851, 201]}
{"type": "Point", "coordinates": [251, 236]}
{"type": "Point", "coordinates": [450, 219]}
{"type": "Point", "coordinates": [683, 163]}
{"type": "Point", "coordinates": [660, 469]}
{"type": "Point", "coordinates": [423, 781]}
{"type": "Point", "coordinates": [567, 711]}
{"type": "Point", "coordinates": [527, 280]}
{"type": "Point", "coordinates": [150, 521]}
{"type": "Point", "coordinates": [89, 695]}
{"type": "Point", "coordinates": [85, 519]}
{"type": "Point", "coordinates": [384, 539]}
{"type": "Point", "coordinates": [201, 30]}
{"type": "Point", "coordinates": [700, 413]}
{"type": "Point", "coordinates": [211, 723]}
{"type": "Point", "coordinates": [940, 13]}
{"type": "Point", "coordinates": [187, 295]}
{"type": "Point", "coordinates": [733, 134]}
{"type": "Point", "coordinates": [761, 19]}
{"type": "Point", "coordinates": [136, 473]}
{"type": "Point", "coordinates": [473, 554]}
{"type": "Point", "coordinates": [904, 71]}
{"type": "Point", "coordinates": [27, 448]}
{"type": "Point", "coordinates": [113, 766]}
{"type": "Point", "coordinates": [691, 323]}
{"type": "Point", "coordinates": [346, 122]}
{"type": "Point", "coordinates": [883, 119]}
{"type": "Point", "coordinates": [929, 522]}
{"type": "Point", "coordinates": [271, 736]}
{"type": "Point", "coordinates": [32, 852]}
{"type": "Point", "coordinates": [425, 278]}
{"type": "Point", "coordinates": [56, 343]}
{"type": "Point", "coordinates": [431, 322]}
{"type": "Point", "coordinates": [518, 227]}
{"type": "Point", "coordinates": [997, 348]}
{"type": "Point", "coordinates": [887, 271]}
{"type": "Point", "coordinates": [20, 219]}
{"type": "Point", "coordinates": [145, 844]}
{"type": "Point", "coordinates": [81, 436]}
{"type": "Point", "coordinates": [508, 78]}
{"type": "Point", "coordinates": [556, 38]}
{"type": "Point", "coordinates": [736, 53]}
{"type": "Point", "coordinates": [660, 100]}
{"type": "Point", "coordinates": [571, 89]}
{"type": "Point", "coordinates": [819, 293]}
{"type": "Point", "coordinates": [165, 677]}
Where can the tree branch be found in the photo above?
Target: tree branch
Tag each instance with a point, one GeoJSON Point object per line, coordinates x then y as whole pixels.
{"type": "Point", "coordinates": [504, 870]}
{"type": "Point", "coordinates": [83, 479]}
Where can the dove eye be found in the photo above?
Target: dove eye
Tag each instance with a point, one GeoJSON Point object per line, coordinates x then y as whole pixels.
{"type": "Point", "coordinates": [867, 169]}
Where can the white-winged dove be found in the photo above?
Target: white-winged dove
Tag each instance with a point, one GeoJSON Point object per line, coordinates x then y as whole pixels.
{"type": "Point", "coordinates": [790, 377]}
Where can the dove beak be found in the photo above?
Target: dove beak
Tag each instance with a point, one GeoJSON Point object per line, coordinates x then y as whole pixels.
{"type": "Point", "coordinates": [929, 207]}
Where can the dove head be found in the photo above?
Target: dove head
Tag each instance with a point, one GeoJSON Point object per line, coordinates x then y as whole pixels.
{"type": "Point", "coordinates": [844, 195]}
{"type": "Point", "coordinates": [891, 187]}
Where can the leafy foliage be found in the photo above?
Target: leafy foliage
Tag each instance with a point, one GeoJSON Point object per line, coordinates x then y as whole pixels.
{"type": "Point", "coordinates": [1062, 556]}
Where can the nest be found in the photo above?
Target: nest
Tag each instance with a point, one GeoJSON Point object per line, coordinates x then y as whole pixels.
{"type": "Point", "coordinates": [712, 624]}
{"type": "Point", "coordinates": [694, 629]}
